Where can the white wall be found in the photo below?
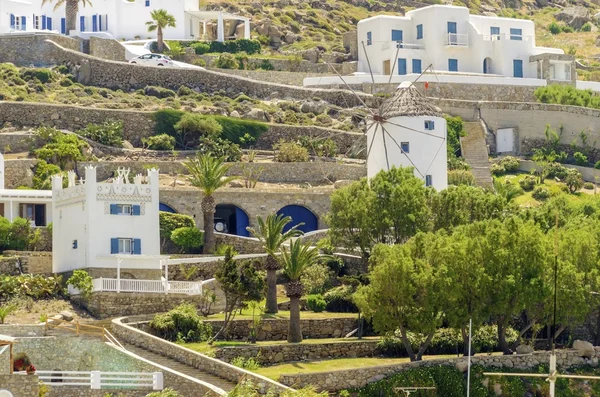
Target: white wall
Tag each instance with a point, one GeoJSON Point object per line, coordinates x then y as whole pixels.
{"type": "Point", "coordinates": [428, 153]}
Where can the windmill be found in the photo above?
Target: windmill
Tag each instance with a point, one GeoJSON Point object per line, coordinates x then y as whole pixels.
{"type": "Point", "coordinates": [406, 129]}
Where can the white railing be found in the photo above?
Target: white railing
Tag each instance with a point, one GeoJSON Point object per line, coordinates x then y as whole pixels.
{"type": "Point", "coordinates": [149, 286]}
{"type": "Point", "coordinates": [97, 380]}
{"type": "Point", "coordinates": [386, 45]}
{"type": "Point", "coordinates": [457, 39]}
{"type": "Point", "coordinates": [505, 36]}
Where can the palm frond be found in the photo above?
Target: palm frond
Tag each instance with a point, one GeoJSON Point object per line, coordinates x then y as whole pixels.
{"type": "Point", "coordinates": [270, 231]}
{"type": "Point", "coordinates": [208, 173]}
{"type": "Point", "coordinates": [297, 259]}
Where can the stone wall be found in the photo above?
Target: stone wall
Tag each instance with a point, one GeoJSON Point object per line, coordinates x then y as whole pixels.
{"type": "Point", "coordinates": [33, 262]}
{"type": "Point", "coordinates": [343, 379]}
{"type": "Point", "coordinates": [20, 385]}
{"type": "Point", "coordinates": [589, 174]}
{"type": "Point", "coordinates": [280, 77]}
{"type": "Point", "coordinates": [136, 337]}
{"type": "Point", "coordinates": [243, 245]}
{"type": "Point", "coordinates": [18, 172]}
{"type": "Point", "coordinates": [344, 140]}
{"type": "Point", "coordinates": [23, 330]}
{"type": "Point", "coordinates": [109, 49]}
{"type": "Point", "coordinates": [82, 391]}
{"type": "Point", "coordinates": [279, 65]}
{"type": "Point", "coordinates": [354, 265]}
{"type": "Point", "coordinates": [14, 142]}
{"type": "Point", "coordinates": [273, 354]}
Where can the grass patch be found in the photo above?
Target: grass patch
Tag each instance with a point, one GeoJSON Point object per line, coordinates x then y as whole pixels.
{"type": "Point", "coordinates": [283, 315]}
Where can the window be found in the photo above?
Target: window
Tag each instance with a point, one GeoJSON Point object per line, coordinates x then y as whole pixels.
{"type": "Point", "coordinates": [402, 66]}
{"type": "Point", "coordinates": [125, 209]}
{"type": "Point", "coordinates": [125, 246]}
{"type": "Point", "coordinates": [517, 68]}
{"type": "Point", "coordinates": [74, 244]}
{"type": "Point", "coordinates": [36, 22]}
{"type": "Point", "coordinates": [397, 37]}
{"type": "Point", "coordinates": [495, 32]}
{"type": "Point", "coordinates": [453, 65]}
{"type": "Point", "coordinates": [18, 22]}
{"type": "Point", "coordinates": [369, 38]}
{"type": "Point", "coordinates": [419, 32]}
{"type": "Point", "coordinates": [516, 34]}
{"type": "Point", "coordinates": [63, 25]}
{"type": "Point", "coordinates": [405, 147]}
{"type": "Point", "coordinates": [147, 3]}
{"type": "Point", "coordinates": [429, 125]}
{"type": "Point", "coordinates": [567, 71]}
{"type": "Point", "coordinates": [48, 23]}
{"type": "Point", "coordinates": [416, 66]}
{"type": "Point", "coordinates": [428, 180]}
{"type": "Point", "coordinates": [82, 24]}
{"type": "Point", "coordinates": [94, 23]}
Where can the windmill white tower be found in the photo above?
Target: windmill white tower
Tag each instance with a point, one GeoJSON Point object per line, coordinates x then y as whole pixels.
{"type": "Point", "coordinates": [409, 131]}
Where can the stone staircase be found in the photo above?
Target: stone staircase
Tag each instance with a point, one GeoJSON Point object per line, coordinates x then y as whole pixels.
{"type": "Point", "coordinates": [474, 151]}
{"type": "Point", "coordinates": [180, 367]}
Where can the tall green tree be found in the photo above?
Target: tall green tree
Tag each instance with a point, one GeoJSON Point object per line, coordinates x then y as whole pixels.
{"type": "Point", "coordinates": [208, 174]}
{"type": "Point", "coordinates": [294, 262]}
{"type": "Point", "coordinates": [271, 234]}
{"type": "Point", "coordinates": [161, 19]}
{"type": "Point", "coordinates": [71, 11]}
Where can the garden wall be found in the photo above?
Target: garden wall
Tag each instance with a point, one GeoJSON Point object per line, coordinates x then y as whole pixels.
{"type": "Point", "coordinates": [589, 174]}
{"type": "Point", "coordinates": [280, 77]}
{"type": "Point", "coordinates": [109, 49]}
{"type": "Point", "coordinates": [343, 379]}
{"type": "Point", "coordinates": [20, 385]}
{"type": "Point", "coordinates": [18, 172]}
{"type": "Point", "coordinates": [23, 330]}
{"type": "Point", "coordinates": [14, 142]}
{"type": "Point", "coordinates": [32, 262]}
{"type": "Point", "coordinates": [123, 331]}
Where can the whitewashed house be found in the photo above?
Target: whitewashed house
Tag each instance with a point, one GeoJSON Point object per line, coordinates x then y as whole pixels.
{"type": "Point", "coordinates": [35, 205]}
{"type": "Point", "coordinates": [106, 225]}
{"type": "Point", "coordinates": [410, 132]}
{"type": "Point", "coordinates": [120, 19]}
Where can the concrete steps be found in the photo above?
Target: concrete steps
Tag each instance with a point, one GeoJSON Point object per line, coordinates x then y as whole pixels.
{"type": "Point", "coordinates": [475, 152]}
{"type": "Point", "coordinates": [180, 367]}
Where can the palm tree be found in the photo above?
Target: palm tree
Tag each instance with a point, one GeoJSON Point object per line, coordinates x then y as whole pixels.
{"type": "Point", "coordinates": [208, 174]}
{"type": "Point", "coordinates": [271, 234]}
{"type": "Point", "coordinates": [71, 11]}
{"type": "Point", "coordinates": [160, 19]}
{"type": "Point", "coordinates": [294, 262]}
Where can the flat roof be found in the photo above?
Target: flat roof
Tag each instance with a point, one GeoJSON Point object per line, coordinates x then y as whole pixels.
{"type": "Point", "coordinates": [25, 193]}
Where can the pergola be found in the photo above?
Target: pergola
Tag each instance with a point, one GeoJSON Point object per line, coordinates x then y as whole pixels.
{"type": "Point", "coordinates": [221, 17]}
{"type": "Point", "coordinates": [8, 341]}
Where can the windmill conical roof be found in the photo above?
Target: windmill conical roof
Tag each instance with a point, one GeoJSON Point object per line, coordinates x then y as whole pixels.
{"type": "Point", "coordinates": [407, 101]}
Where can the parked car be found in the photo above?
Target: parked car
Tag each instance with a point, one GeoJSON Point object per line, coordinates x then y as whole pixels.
{"type": "Point", "coordinates": [153, 60]}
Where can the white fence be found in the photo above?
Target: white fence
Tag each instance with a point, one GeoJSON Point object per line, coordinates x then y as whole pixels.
{"type": "Point", "coordinates": [97, 380]}
{"type": "Point", "coordinates": [151, 286]}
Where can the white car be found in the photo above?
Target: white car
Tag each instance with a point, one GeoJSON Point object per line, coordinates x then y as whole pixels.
{"type": "Point", "coordinates": [153, 60]}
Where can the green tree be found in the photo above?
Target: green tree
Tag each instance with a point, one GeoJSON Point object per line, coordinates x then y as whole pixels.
{"type": "Point", "coordinates": [71, 11]}
{"type": "Point", "coordinates": [193, 126]}
{"type": "Point", "coordinates": [161, 19]}
{"type": "Point", "coordinates": [271, 234]}
{"type": "Point", "coordinates": [169, 222]}
{"type": "Point", "coordinates": [294, 262]}
{"type": "Point", "coordinates": [208, 174]}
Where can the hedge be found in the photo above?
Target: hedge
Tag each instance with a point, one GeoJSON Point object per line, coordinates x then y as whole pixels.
{"type": "Point", "coordinates": [232, 46]}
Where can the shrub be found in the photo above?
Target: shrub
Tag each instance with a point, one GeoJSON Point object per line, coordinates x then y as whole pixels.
{"type": "Point", "coordinates": [201, 48]}
{"type": "Point", "coordinates": [461, 177]}
{"type": "Point", "coordinates": [160, 142]}
{"type": "Point", "coordinates": [158, 92]}
{"type": "Point", "coordinates": [290, 152]}
{"type": "Point", "coordinates": [188, 238]}
{"type": "Point", "coordinates": [169, 222]}
{"type": "Point", "coordinates": [587, 27]}
{"type": "Point", "coordinates": [540, 193]}
{"type": "Point", "coordinates": [185, 90]}
{"type": "Point", "coordinates": [226, 61]}
{"type": "Point", "coordinates": [510, 164]}
{"type": "Point", "coordinates": [554, 28]}
{"type": "Point", "coordinates": [574, 181]}
{"type": "Point", "coordinates": [220, 148]}
{"type": "Point", "coordinates": [43, 172]}
{"type": "Point", "coordinates": [59, 148]}
{"type": "Point", "coordinates": [176, 50]}
{"type": "Point", "coordinates": [567, 29]}
{"type": "Point", "coordinates": [6, 310]}
{"type": "Point", "coordinates": [497, 169]}
{"type": "Point", "coordinates": [580, 159]}
{"type": "Point", "coordinates": [597, 165]}
{"type": "Point", "coordinates": [181, 324]}
{"type": "Point", "coordinates": [528, 183]}
{"type": "Point", "coordinates": [82, 281]}
{"type": "Point", "coordinates": [40, 74]}
{"type": "Point", "coordinates": [339, 300]}
{"type": "Point", "coordinates": [242, 60]}
{"type": "Point", "coordinates": [28, 285]}
{"type": "Point", "coordinates": [168, 392]}
{"type": "Point", "coordinates": [199, 62]}
{"type": "Point", "coordinates": [588, 186]}
{"type": "Point", "coordinates": [316, 303]}
{"type": "Point", "coordinates": [265, 64]}
{"type": "Point", "coordinates": [455, 131]}
{"type": "Point", "coordinates": [191, 127]}
{"type": "Point", "coordinates": [109, 133]}
{"type": "Point", "coordinates": [322, 147]}
{"type": "Point", "coordinates": [457, 163]}
{"type": "Point", "coordinates": [567, 95]}
{"type": "Point", "coordinates": [249, 363]}
{"type": "Point", "coordinates": [316, 279]}
{"type": "Point", "coordinates": [556, 170]}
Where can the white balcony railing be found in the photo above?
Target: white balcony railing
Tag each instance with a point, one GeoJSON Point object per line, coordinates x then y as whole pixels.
{"type": "Point", "coordinates": [386, 45]}
{"type": "Point", "coordinates": [147, 286]}
{"type": "Point", "coordinates": [505, 36]}
{"type": "Point", "coordinates": [97, 380]}
{"type": "Point", "coordinates": [457, 39]}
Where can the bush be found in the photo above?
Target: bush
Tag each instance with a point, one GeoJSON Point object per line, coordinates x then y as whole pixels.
{"type": "Point", "coordinates": [226, 61]}
{"type": "Point", "coordinates": [580, 159]}
{"type": "Point", "coordinates": [159, 92]}
{"type": "Point", "coordinates": [597, 165]}
{"type": "Point", "coordinates": [574, 180]}
{"type": "Point", "coordinates": [181, 324]}
{"type": "Point", "coordinates": [316, 303]}
{"type": "Point", "coordinates": [160, 142]}
{"type": "Point", "coordinates": [169, 222]}
{"type": "Point", "coordinates": [199, 62]}
{"type": "Point", "coordinates": [265, 64]}
{"type": "Point", "coordinates": [556, 170]}
{"type": "Point", "coordinates": [234, 46]}
{"type": "Point", "coordinates": [461, 177]}
{"type": "Point", "coordinates": [40, 74]}
{"type": "Point", "coordinates": [322, 147]}
{"type": "Point", "coordinates": [191, 127]}
{"type": "Point", "coordinates": [510, 164]}
{"type": "Point", "coordinates": [201, 48]}
{"type": "Point", "coordinates": [82, 281]}
{"type": "Point", "coordinates": [587, 27]}
{"type": "Point", "coordinates": [567, 29]}
{"type": "Point", "coordinates": [28, 285]}
{"type": "Point", "coordinates": [168, 392]}
{"type": "Point", "coordinates": [185, 90]}
{"type": "Point", "coordinates": [59, 148]}
{"type": "Point", "coordinates": [588, 186]}
{"type": "Point", "coordinates": [109, 133]}
{"type": "Point", "coordinates": [249, 363]}
{"type": "Point", "coordinates": [339, 300]}
{"type": "Point", "coordinates": [457, 163]}
{"type": "Point", "coordinates": [455, 131]}
{"type": "Point", "coordinates": [554, 28]}
{"type": "Point", "coordinates": [528, 183]}
{"type": "Point", "coordinates": [567, 95]}
{"type": "Point", "coordinates": [176, 50]}
{"type": "Point", "coordinates": [316, 278]}
{"type": "Point", "coordinates": [540, 193]}
{"type": "Point", "coordinates": [290, 152]}
{"type": "Point", "coordinates": [497, 169]}
{"type": "Point", "coordinates": [42, 179]}
{"type": "Point", "coordinates": [188, 238]}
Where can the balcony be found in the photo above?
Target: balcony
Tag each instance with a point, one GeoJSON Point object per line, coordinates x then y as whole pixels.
{"type": "Point", "coordinates": [457, 40]}
{"type": "Point", "coordinates": [505, 37]}
{"type": "Point", "coordinates": [386, 45]}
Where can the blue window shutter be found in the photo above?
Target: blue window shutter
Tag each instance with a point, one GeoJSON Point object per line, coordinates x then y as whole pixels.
{"type": "Point", "coordinates": [100, 23]}
{"type": "Point", "coordinates": [94, 23]}
{"type": "Point", "coordinates": [106, 22]}
{"type": "Point", "coordinates": [147, 3]}
{"type": "Point", "coordinates": [43, 22]}
{"type": "Point", "coordinates": [63, 25]}
{"type": "Point", "coordinates": [114, 245]}
{"type": "Point", "coordinates": [113, 209]}
{"type": "Point", "coordinates": [49, 23]}
{"type": "Point", "coordinates": [419, 32]}
{"type": "Point", "coordinates": [517, 68]}
{"type": "Point", "coordinates": [137, 246]}
{"type": "Point", "coordinates": [12, 21]}
{"type": "Point", "coordinates": [23, 23]}
{"type": "Point", "coordinates": [416, 66]}
{"type": "Point", "coordinates": [82, 24]}
{"type": "Point", "coordinates": [402, 66]}
{"type": "Point", "coordinates": [453, 65]}
{"type": "Point", "coordinates": [369, 38]}
{"type": "Point", "coordinates": [136, 210]}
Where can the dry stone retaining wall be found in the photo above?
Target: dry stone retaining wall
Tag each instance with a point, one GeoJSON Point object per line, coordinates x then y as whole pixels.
{"type": "Point", "coordinates": [109, 49]}
{"type": "Point", "coordinates": [32, 262]}
{"type": "Point", "coordinates": [18, 172]}
{"type": "Point", "coordinates": [20, 385]}
{"type": "Point", "coordinates": [23, 330]}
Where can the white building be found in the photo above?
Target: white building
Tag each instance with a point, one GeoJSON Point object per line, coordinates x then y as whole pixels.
{"type": "Point", "coordinates": [35, 205]}
{"type": "Point", "coordinates": [106, 225]}
{"type": "Point", "coordinates": [409, 132]}
{"type": "Point", "coordinates": [451, 40]}
{"type": "Point", "coordinates": [120, 19]}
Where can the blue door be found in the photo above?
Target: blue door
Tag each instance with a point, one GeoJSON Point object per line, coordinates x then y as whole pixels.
{"type": "Point", "coordinates": [402, 66]}
{"type": "Point", "coordinates": [63, 25]}
{"type": "Point", "coordinates": [397, 37]}
{"type": "Point", "coordinates": [94, 23]}
{"type": "Point", "coordinates": [241, 223]}
{"type": "Point", "coordinates": [49, 23]}
{"type": "Point", "coordinates": [166, 208]}
{"type": "Point", "coordinates": [517, 68]}
{"type": "Point", "coordinates": [453, 65]}
{"type": "Point", "coordinates": [300, 214]}
{"type": "Point", "coordinates": [416, 66]}
{"type": "Point", "coordinates": [452, 36]}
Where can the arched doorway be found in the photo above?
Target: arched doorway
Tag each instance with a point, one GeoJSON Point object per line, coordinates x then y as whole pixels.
{"type": "Point", "coordinates": [166, 208]}
{"type": "Point", "coordinates": [231, 219]}
{"type": "Point", "coordinates": [487, 65]}
{"type": "Point", "coordinates": [299, 214]}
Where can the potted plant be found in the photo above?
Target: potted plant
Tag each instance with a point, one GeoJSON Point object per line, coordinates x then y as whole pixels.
{"type": "Point", "coordinates": [21, 362]}
{"type": "Point", "coordinates": [30, 369]}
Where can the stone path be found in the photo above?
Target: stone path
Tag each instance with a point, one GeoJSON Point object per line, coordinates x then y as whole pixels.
{"type": "Point", "coordinates": [475, 152]}
{"type": "Point", "coordinates": [180, 367]}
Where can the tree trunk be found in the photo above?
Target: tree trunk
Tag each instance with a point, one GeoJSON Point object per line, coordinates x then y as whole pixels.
{"type": "Point", "coordinates": [523, 331]}
{"type": "Point", "coordinates": [295, 329]}
{"type": "Point", "coordinates": [424, 346]}
{"type": "Point", "coordinates": [71, 9]}
{"type": "Point", "coordinates": [502, 339]}
{"type": "Point", "coordinates": [209, 232]}
{"type": "Point", "coordinates": [407, 345]}
{"type": "Point", "coordinates": [465, 337]}
{"type": "Point", "coordinates": [271, 306]}
{"type": "Point", "coordinates": [159, 40]}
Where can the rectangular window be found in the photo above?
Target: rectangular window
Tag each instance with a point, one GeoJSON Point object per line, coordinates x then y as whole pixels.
{"type": "Point", "coordinates": [419, 32]}
{"type": "Point", "coordinates": [429, 125]}
{"type": "Point", "coordinates": [36, 22]}
{"type": "Point", "coordinates": [12, 21]}
{"type": "Point", "coordinates": [369, 38]}
{"type": "Point", "coordinates": [397, 37]}
{"type": "Point", "coordinates": [94, 23]}
{"type": "Point", "coordinates": [147, 3]}
{"type": "Point", "coordinates": [74, 244]}
{"type": "Point", "coordinates": [517, 68]}
{"type": "Point", "coordinates": [416, 66]}
{"type": "Point", "coordinates": [453, 65]}
{"type": "Point", "coordinates": [405, 147]}
{"type": "Point", "coordinates": [48, 23]}
{"type": "Point", "coordinates": [516, 34]}
{"type": "Point", "coordinates": [63, 25]}
{"type": "Point", "coordinates": [495, 32]}
{"type": "Point", "coordinates": [402, 66]}
{"type": "Point", "coordinates": [125, 246]}
{"type": "Point", "coordinates": [44, 20]}
{"type": "Point", "coordinates": [124, 209]}
{"type": "Point", "coordinates": [82, 24]}
{"type": "Point", "coordinates": [23, 23]}
{"type": "Point", "coordinates": [428, 180]}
